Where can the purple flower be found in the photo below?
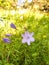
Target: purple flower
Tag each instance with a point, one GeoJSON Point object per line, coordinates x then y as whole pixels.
{"type": "Point", "coordinates": [13, 26]}
{"type": "Point", "coordinates": [27, 37]}
{"type": "Point", "coordinates": [8, 34]}
{"type": "Point", "coordinates": [6, 40]}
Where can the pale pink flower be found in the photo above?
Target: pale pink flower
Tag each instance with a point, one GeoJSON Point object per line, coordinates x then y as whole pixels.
{"type": "Point", "coordinates": [27, 37]}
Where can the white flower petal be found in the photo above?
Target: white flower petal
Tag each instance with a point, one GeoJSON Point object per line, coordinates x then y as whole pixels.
{"type": "Point", "coordinates": [28, 41]}
{"type": "Point", "coordinates": [32, 39]}
{"type": "Point", "coordinates": [23, 40]}
{"type": "Point", "coordinates": [26, 33]}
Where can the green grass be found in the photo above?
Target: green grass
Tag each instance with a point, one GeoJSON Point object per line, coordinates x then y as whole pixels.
{"type": "Point", "coordinates": [17, 53]}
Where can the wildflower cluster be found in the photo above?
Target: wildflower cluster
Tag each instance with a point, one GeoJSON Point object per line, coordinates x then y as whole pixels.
{"type": "Point", "coordinates": [27, 37]}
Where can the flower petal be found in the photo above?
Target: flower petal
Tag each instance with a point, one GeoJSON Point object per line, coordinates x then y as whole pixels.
{"type": "Point", "coordinates": [6, 40]}
{"type": "Point", "coordinates": [8, 34]}
{"type": "Point", "coordinates": [23, 40]}
{"type": "Point", "coordinates": [32, 39]}
{"type": "Point", "coordinates": [28, 41]}
{"type": "Point", "coordinates": [13, 26]}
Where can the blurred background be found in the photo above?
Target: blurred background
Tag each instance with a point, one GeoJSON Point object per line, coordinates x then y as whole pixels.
{"type": "Point", "coordinates": [42, 5]}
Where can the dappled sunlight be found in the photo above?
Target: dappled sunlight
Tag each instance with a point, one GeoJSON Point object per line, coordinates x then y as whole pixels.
{"type": "Point", "coordinates": [7, 29]}
{"type": "Point", "coordinates": [38, 15]}
{"type": "Point", "coordinates": [24, 32]}
{"type": "Point", "coordinates": [12, 12]}
{"type": "Point", "coordinates": [21, 13]}
{"type": "Point", "coordinates": [2, 24]}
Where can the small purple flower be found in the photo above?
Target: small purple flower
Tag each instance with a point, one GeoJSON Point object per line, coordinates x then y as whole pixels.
{"type": "Point", "coordinates": [27, 37]}
{"type": "Point", "coordinates": [8, 34]}
{"type": "Point", "coordinates": [13, 26]}
{"type": "Point", "coordinates": [6, 40]}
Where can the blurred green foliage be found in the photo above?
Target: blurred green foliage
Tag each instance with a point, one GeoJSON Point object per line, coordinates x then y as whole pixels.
{"type": "Point", "coordinates": [17, 53]}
